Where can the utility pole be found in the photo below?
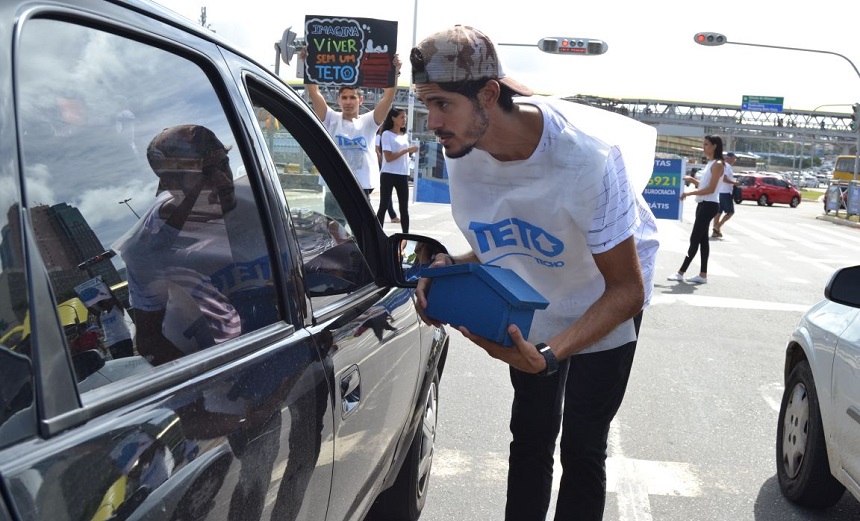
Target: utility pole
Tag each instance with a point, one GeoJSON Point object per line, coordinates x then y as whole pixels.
{"type": "Point", "coordinates": [203, 19]}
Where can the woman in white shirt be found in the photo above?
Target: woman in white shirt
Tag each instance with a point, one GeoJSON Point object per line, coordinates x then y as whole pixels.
{"type": "Point", "coordinates": [395, 166]}
{"type": "Point", "coordinates": [707, 208]}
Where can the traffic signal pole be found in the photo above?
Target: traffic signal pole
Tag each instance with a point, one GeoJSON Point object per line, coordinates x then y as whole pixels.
{"type": "Point", "coordinates": [567, 45]}
{"type": "Point", "coordinates": [711, 39]}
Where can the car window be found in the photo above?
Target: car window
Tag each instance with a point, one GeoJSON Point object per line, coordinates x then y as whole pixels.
{"type": "Point", "coordinates": [333, 265]}
{"type": "Point", "coordinates": [17, 410]}
{"type": "Point", "coordinates": [139, 201]}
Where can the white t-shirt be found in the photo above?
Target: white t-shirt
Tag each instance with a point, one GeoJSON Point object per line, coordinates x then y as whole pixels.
{"type": "Point", "coordinates": [197, 272]}
{"type": "Point", "coordinates": [356, 140]}
{"type": "Point", "coordinates": [115, 325]}
{"type": "Point", "coordinates": [546, 216]}
{"type": "Point", "coordinates": [393, 142]}
{"type": "Point", "coordinates": [726, 187]}
{"type": "Point", "coordinates": [704, 181]}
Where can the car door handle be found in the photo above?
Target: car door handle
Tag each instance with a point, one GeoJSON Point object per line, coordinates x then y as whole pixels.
{"type": "Point", "coordinates": [350, 390]}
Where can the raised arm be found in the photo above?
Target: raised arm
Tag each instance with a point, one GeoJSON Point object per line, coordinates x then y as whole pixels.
{"type": "Point", "coordinates": [317, 100]}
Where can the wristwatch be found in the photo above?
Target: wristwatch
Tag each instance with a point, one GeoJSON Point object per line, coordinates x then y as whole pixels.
{"type": "Point", "coordinates": [551, 362]}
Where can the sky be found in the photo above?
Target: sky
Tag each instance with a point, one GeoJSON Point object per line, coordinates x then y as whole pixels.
{"type": "Point", "coordinates": [651, 53]}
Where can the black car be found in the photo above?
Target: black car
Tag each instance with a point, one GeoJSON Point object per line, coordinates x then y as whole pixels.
{"type": "Point", "coordinates": [279, 369]}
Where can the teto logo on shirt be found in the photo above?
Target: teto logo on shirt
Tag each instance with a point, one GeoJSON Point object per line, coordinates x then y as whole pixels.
{"type": "Point", "coordinates": [538, 243]}
{"type": "Point", "coordinates": [345, 142]}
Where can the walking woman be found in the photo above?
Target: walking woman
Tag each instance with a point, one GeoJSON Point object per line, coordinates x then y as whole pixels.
{"type": "Point", "coordinates": [395, 166]}
{"type": "Point", "coordinates": [708, 206]}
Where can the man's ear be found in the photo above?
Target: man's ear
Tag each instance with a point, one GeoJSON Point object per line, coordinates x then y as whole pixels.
{"type": "Point", "coordinates": [489, 93]}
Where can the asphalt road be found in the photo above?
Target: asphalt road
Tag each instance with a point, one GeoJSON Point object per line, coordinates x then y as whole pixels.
{"type": "Point", "coordinates": [695, 437]}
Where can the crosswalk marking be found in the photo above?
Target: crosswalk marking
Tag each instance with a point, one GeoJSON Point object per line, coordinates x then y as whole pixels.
{"type": "Point", "coordinates": [726, 302]}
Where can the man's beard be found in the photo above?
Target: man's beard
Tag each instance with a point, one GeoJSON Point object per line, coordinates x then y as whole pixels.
{"type": "Point", "coordinates": [481, 122]}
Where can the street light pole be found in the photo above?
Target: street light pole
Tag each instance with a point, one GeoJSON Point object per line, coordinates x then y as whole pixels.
{"type": "Point", "coordinates": [715, 39]}
{"type": "Point", "coordinates": [410, 108]}
{"type": "Point", "coordinates": [125, 202]}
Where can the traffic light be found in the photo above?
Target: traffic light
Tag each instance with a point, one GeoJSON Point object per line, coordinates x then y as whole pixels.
{"type": "Point", "coordinates": [581, 46]}
{"type": "Point", "coordinates": [710, 38]}
{"type": "Point", "coordinates": [856, 108]}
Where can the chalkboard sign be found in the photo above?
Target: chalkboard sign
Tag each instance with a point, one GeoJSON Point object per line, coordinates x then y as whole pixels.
{"type": "Point", "coordinates": [350, 51]}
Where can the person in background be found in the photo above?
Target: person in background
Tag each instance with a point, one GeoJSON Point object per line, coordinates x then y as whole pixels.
{"type": "Point", "coordinates": [533, 192]}
{"type": "Point", "coordinates": [395, 166]}
{"type": "Point", "coordinates": [354, 133]}
{"type": "Point", "coordinates": [725, 189]}
{"type": "Point", "coordinates": [708, 204]}
{"type": "Point", "coordinates": [115, 326]}
{"type": "Point", "coordinates": [378, 140]}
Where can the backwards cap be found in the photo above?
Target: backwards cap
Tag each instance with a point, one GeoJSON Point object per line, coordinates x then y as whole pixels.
{"type": "Point", "coordinates": [460, 53]}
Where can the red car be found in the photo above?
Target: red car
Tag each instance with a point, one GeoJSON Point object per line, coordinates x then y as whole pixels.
{"type": "Point", "coordinates": [767, 190]}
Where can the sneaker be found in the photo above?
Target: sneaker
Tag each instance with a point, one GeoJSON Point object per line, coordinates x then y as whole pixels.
{"type": "Point", "coordinates": [698, 279]}
{"type": "Point", "coordinates": [677, 277]}
{"type": "Point", "coordinates": [395, 220]}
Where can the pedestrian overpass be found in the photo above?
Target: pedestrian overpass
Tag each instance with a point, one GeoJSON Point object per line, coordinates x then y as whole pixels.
{"type": "Point", "coordinates": [678, 118]}
{"type": "Point", "coordinates": [686, 119]}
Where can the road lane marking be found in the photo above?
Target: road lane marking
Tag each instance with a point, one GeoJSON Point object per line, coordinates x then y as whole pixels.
{"type": "Point", "coordinates": [772, 394]}
{"type": "Point", "coordinates": [631, 490]}
{"type": "Point", "coordinates": [725, 302]}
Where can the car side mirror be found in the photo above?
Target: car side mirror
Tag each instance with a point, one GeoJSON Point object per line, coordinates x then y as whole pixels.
{"type": "Point", "coordinates": [412, 253]}
{"type": "Point", "coordinates": [844, 287]}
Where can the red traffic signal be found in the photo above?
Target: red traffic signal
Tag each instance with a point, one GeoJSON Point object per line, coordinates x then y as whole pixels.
{"type": "Point", "coordinates": [710, 38]}
{"type": "Point", "coordinates": [566, 45]}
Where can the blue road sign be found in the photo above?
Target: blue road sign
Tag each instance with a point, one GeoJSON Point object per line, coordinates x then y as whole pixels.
{"type": "Point", "coordinates": [762, 103]}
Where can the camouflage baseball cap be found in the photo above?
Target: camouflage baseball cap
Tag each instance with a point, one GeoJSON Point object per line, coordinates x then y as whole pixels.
{"type": "Point", "coordinates": [460, 53]}
{"type": "Point", "coordinates": [183, 148]}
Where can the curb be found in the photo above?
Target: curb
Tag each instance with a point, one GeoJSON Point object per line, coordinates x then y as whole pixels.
{"type": "Point", "coordinates": [837, 220]}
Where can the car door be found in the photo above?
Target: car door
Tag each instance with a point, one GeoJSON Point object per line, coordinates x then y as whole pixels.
{"type": "Point", "coordinates": [782, 192]}
{"type": "Point", "coordinates": [369, 333]}
{"type": "Point", "coordinates": [139, 185]}
{"type": "Point", "coordinates": [846, 395]}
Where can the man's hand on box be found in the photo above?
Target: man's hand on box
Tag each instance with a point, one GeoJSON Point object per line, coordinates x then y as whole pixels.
{"type": "Point", "coordinates": [522, 355]}
{"type": "Point", "coordinates": [423, 289]}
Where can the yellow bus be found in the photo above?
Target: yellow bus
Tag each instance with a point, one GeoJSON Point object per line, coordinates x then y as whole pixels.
{"type": "Point", "coordinates": [843, 169]}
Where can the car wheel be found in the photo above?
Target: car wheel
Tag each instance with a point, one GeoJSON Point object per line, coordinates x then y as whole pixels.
{"type": "Point", "coordinates": [406, 497]}
{"type": "Point", "coordinates": [794, 202]}
{"type": "Point", "coordinates": [762, 200]}
{"type": "Point", "coordinates": [802, 468]}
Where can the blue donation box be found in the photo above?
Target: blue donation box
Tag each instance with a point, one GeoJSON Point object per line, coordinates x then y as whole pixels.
{"type": "Point", "coordinates": [663, 193]}
{"type": "Point", "coordinates": [483, 298]}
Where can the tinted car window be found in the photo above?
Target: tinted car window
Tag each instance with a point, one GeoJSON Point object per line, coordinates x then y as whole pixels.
{"type": "Point", "coordinates": [139, 201]}
{"type": "Point", "coordinates": [17, 418]}
{"type": "Point", "coordinates": [332, 262]}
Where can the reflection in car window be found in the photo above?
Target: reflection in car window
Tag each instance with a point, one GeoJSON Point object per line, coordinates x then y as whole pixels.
{"type": "Point", "coordinates": [139, 201]}
{"type": "Point", "coordinates": [333, 264]}
{"type": "Point", "coordinates": [17, 410]}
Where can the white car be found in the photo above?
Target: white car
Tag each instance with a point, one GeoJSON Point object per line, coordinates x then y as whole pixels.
{"type": "Point", "coordinates": [818, 435]}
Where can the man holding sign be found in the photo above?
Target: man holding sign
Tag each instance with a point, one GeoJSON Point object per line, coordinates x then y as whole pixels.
{"type": "Point", "coordinates": [351, 45]}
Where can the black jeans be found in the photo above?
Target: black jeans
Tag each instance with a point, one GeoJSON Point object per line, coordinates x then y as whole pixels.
{"type": "Point", "coordinates": [705, 213]}
{"type": "Point", "coordinates": [588, 389]}
{"type": "Point", "coordinates": [368, 191]}
{"type": "Point", "coordinates": [387, 182]}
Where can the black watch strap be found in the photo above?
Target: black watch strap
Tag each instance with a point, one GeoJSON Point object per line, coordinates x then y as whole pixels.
{"type": "Point", "coordinates": [551, 361]}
